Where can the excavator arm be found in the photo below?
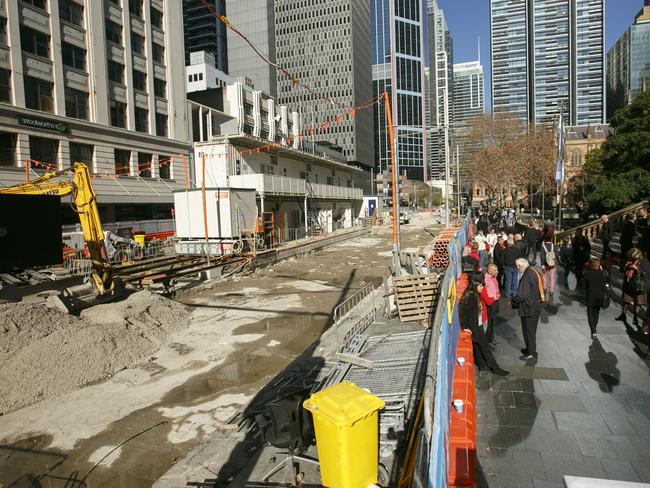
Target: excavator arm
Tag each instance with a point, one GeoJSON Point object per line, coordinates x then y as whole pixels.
{"type": "Point", "coordinates": [84, 203]}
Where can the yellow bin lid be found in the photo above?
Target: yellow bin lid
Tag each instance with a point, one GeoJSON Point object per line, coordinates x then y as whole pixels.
{"type": "Point", "coordinates": [343, 404]}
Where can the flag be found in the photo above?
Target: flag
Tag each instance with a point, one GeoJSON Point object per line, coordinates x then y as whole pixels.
{"type": "Point", "coordinates": [559, 170]}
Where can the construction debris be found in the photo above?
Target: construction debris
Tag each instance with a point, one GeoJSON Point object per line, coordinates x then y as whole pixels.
{"type": "Point", "coordinates": [46, 353]}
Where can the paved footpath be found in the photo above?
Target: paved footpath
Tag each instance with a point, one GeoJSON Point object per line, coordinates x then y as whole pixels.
{"type": "Point", "coordinates": [582, 410]}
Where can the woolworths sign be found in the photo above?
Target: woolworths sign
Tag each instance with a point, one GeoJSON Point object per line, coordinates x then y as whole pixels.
{"type": "Point", "coordinates": [45, 124]}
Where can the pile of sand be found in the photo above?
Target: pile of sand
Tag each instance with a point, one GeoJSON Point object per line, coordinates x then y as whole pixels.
{"type": "Point", "coordinates": [45, 353]}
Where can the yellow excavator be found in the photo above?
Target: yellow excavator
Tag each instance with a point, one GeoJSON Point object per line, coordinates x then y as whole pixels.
{"type": "Point", "coordinates": [84, 203]}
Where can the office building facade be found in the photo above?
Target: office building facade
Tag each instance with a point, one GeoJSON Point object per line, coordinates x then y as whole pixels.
{"type": "Point", "coordinates": [95, 82]}
{"type": "Point", "coordinates": [628, 63]}
{"type": "Point", "coordinates": [326, 45]}
{"type": "Point", "coordinates": [205, 32]}
{"type": "Point", "coordinates": [255, 19]}
{"type": "Point", "coordinates": [547, 54]}
{"type": "Point", "coordinates": [440, 90]}
{"type": "Point", "coordinates": [400, 72]}
{"type": "Point", "coordinates": [469, 93]}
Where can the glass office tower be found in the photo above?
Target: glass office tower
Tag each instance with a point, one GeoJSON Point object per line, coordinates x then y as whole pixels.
{"type": "Point", "coordinates": [547, 54]}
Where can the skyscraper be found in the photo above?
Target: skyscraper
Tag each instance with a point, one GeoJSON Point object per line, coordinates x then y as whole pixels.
{"type": "Point", "coordinates": [400, 25]}
{"type": "Point", "coordinates": [326, 45]}
{"type": "Point", "coordinates": [256, 20]}
{"type": "Point", "coordinates": [204, 32]}
{"type": "Point", "coordinates": [469, 98]}
{"type": "Point", "coordinates": [545, 54]}
{"type": "Point", "coordinates": [628, 63]}
{"type": "Point", "coordinates": [440, 89]}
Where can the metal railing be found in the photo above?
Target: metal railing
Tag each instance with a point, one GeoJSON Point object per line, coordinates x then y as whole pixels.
{"type": "Point", "coordinates": [592, 229]}
{"type": "Point", "coordinates": [285, 185]}
{"type": "Point", "coordinates": [78, 266]}
{"type": "Point", "coordinates": [148, 226]}
{"type": "Point", "coordinates": [353, 316]}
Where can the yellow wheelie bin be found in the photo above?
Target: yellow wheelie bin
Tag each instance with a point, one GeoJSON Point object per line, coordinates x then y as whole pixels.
{"type": "Point", "coordinates": [346, 421]}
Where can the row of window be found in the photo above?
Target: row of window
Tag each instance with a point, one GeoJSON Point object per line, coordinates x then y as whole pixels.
{"type": "Point", "coordinates": [73, 12]}
{"type": "Point", "coordinates": [44, 150]}
{"type": "Point", "coordinates": [39, 96]}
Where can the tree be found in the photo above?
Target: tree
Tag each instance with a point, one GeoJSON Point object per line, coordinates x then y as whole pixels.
{"type": "Point", "coordinates": [509, 158]}
{"type": "Point", "coordinates": [619, 173]}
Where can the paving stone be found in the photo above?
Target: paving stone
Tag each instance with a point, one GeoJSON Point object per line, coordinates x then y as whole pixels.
{"type": "Point", "coordinates": [559, 465]}
{"type": "Point", "coordinates": [497, 398]}
{"type": "Point", "coordinates": [642, 424]}
{"type": "Point", "coordinates": [528, 464]}
{"type": "Point", "coordinates": [620, 425]}
{"type": "Point", "coordinates": [547, 484]}
{"type": "Point", "coordinates": [529, 417]}
{"type": "Point", "coordinates": [581, 422]}
{"type": "Point", "coordinates": [620, 470]}
{"type": "Point", "coordinates": [526, 400]}
{"type": "Point", "coordinates": [545, 440]}
{"type": "Point", "coordinates": [642, 468]}
{"type": "Point", "coordinates": [605, 405]}
{"type": "Point", "coordinates": [607, 446]}
{"type": "Point", "coordinates": [501, 436]}
{"type": "Point", "coordinates": [491, 415]}
{"type": "Point", "coordinates": [501, 481]}
{"type": "Point", "coordinates": [531, 372]}
{"type": "Point", "coordinates": [563, 387]}
{"type": "Point", "coordinates": [495, 461]}
{"type": "Point", "coordinates": [560, 402]}
{"type": "Point", "coordinates": [514, 385]}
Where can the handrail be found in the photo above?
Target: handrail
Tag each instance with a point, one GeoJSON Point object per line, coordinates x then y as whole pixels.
{"type": "Point", "coordinates": [592, 229]}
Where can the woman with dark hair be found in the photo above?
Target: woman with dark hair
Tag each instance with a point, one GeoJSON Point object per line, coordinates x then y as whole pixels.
{"type": "Point", "coordinates": [473, 314]}
{"type": "Point", "coordinates": [634, 286]}
{"type": "Point", "coordinates": [595, 289]}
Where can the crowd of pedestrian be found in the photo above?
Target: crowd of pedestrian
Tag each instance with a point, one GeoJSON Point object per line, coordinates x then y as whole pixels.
{"type": "Point", "coordinates": [515, 263]}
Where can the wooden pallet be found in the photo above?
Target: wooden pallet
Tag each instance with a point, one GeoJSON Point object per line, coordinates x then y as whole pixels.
{"type": "Point", "coordinates": [416, 296]}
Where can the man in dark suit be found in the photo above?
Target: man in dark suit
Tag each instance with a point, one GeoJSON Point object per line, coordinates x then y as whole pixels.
{"type": "Point", "coordinates": [643, 227]}
{"type": "Point", "coordinates": [627, 238]}
{"type": "Point", "coordinates": [529, 299]}
{"type": "Point", "coordinates": [532, 240]}
{"type": "Point", "coordinates": [606, 232]}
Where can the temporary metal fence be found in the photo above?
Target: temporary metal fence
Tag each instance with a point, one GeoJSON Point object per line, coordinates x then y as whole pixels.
{"type": "Point", "coordinates": [147, 226]}
{"type": "Point", "coordinates": [353, 316]}
{"type": "Point", "coordinates": [431, 467]}
{"type": "Point", "coordinates": [78, 266]}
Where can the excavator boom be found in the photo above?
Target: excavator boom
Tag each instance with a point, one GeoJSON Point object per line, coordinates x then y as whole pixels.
{"type": "Point", "coordinates": [85, 204]}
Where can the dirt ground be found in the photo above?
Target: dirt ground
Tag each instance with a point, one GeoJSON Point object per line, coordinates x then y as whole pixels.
{"type": "Point", "coordinates": [242, 333]}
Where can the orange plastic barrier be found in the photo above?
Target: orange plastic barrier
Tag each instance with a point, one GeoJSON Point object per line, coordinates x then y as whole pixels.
{"type": "Point", "coordinates": [462, 425]}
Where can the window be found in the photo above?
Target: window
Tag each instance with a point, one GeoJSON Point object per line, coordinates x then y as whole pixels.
{"type": "Point", "coordinates": [42, 4]}
{"type": "Point", "coordinates": [73, 56]}
{"type": "Point", "coordinates": [144, 165]}
{"type": "Point", "coordinates": [38, 94]}
{"type": "Point", "coordinates": [7, 149]}
{"type": "Point", "coordinates": [158, 53]}
{"type": "Point", "coordinates": [3, 31]}
{"type": "Point", "coordinates": [5, 85]}
{"type": "Point", "coordinates": [141, 120]}
{"type": "Point", "coordinates": [139, 80]}
{"type": "Point", "coordinates": [71, 12]}
{"type": "Point", "coordinates": [161, 125]}
{"type": "Point", "coordinates": [135, 7]}
{"type": "Point", "coordinates": [116, 72]}
{"type": "Point", "coordinates": [43, 150]}
{"type": "Point", "coordinates": [160, 88]}
{"type": "Point", "coordinates": [113, 32]}
{"type": "Point", "coordinates": [76, 103]}
{"type": "Point", "coordinates": [122, 162]}
{"type": "Point", "coordinates": [34, 42]}
{"type": "Point", "coordinates": [118, 114]}
{"type": "Point", "coordinates": [164, 167]}
{"type": "Point", "coordinates": [156, 17]}
{"type": "Point", "coordinates": [81, 153]}
{"type": "Point", "coordinates": [137, 43]}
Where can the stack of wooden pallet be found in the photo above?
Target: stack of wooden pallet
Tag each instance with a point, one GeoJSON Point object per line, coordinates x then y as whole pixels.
{"type": "Point", "coordinates": [416, 296]}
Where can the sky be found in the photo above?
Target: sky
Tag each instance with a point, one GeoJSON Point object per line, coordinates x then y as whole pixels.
{"type": "Point", "coordinates": [469, 20]}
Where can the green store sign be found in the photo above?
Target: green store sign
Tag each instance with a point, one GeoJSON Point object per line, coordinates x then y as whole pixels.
{"type": "Point", "coordinates": [44, 124]}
